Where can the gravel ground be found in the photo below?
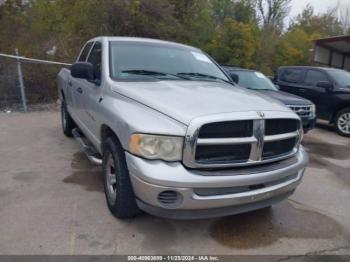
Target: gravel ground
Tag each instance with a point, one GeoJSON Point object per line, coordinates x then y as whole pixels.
{"type": "Point", "coordinates": [16, 107]}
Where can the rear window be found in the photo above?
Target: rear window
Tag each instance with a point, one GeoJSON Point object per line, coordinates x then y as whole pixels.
{"type": "Point", "coordinates": [291, 75]}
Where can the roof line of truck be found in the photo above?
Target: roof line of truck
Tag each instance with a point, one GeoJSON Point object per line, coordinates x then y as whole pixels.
{"type": "Point", "coordinates": [140, 39]}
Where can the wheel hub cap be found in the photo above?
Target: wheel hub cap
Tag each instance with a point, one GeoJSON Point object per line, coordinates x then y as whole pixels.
{"type": "Point", "coordinates": [344, 123]}
{"type": "Point", "coordinates": [111, 180]}
{"type": "Point", "coordinates": [64, 121]}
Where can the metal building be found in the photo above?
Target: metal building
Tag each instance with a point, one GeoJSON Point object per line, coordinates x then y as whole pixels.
{"type": "Point", "coordinates": [333, 52]}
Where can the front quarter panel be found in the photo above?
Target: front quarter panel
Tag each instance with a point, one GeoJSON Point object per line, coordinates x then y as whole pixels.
{"type": "Point", "coordinates": [62, 81]}
{"type": "Point", "coordinates": [340, 100]}
{"type": "Point", "coordinates": [126, 116]}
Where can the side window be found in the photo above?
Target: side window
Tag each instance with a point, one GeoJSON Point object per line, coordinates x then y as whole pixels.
{"type": "Point", "coordinates": [85, 52]}
{"type": "Point", "coordinates": [95, 58]}
{"type": "Point", "coordinates": [313, 77]}
{"type": "Point", "coordinates": [292, 75]}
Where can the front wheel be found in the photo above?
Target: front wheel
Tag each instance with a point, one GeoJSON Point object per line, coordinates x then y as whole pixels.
{"type": "Point", "coordinates": [342, 122]}
{"type": "Point", "coordinates": [118, 189]}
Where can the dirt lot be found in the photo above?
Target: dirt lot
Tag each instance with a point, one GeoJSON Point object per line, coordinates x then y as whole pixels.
{"type": "Point", "coordinates": [52, 202]}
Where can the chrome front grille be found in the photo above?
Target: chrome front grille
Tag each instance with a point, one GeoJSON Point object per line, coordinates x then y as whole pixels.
{"type": "Point", "coordinates": [258, 139]}
{"type": "Point", "coordinates": [302, 111]}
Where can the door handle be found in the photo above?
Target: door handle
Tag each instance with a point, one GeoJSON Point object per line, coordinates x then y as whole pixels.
{"type": "Point", "coordinates": [79, 90]}
{"type": "Point", "coordinates": [303, 90]}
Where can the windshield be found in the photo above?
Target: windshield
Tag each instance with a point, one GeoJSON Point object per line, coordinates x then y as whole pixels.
{"type": "Point", "coordinates": [139, 61]}
{"type": "Point", "coordinates": [342, 77]}
{"type": "Point", "coordinates": [252, 80]}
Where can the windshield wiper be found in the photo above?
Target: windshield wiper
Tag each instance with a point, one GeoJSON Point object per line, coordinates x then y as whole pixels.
{"type": "Point", "coordinates": [259, 89]}
{"type": "Point", "coordinates": [201, 75]}
{"type": "Point", "coordinates": [152, 73]}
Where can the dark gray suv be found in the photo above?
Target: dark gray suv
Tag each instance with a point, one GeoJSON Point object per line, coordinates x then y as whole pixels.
{"type": "Point", "coordinates": [328, 88]}
{"type": "Point", "coordinates": [257, 81]}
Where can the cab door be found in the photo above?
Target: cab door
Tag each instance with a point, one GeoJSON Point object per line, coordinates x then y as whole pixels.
{"type": "Point", "coordinates": [92, 92]}
{"type": "Point", "coordinates": [315, 92]}
{"type": "Point", "coordinates": [76, 88]}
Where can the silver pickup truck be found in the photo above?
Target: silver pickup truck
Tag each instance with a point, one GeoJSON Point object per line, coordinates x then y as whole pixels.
{"type": "Point", "coordinates": [174, 136]}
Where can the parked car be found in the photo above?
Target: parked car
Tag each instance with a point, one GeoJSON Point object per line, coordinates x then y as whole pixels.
{"type": "Point", "coordinates": [328, 88]}
{"type": "Point", "coordinates": [175, 137]}
{"type": "Point", "coordinates": [255, 80]}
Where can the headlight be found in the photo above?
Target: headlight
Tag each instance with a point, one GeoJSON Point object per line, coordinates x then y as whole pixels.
{"type": "Point", "coordinates": [313, 109]}
{"type": "Point", "coordinates": [168, 148]}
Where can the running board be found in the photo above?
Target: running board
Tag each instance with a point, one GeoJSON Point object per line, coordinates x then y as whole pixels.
{"type": "Point", "coordinates": [89, 151]}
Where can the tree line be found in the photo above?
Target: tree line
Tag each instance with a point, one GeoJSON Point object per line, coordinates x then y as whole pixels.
{"type": "Point", "coordinates": [247, 33]}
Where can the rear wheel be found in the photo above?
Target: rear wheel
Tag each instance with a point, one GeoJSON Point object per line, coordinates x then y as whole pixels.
{"type": "Point", "coordinates": [342, 122]}
{"type": "Point", "coordinates": [67, 122]}
{"type": "Point", "coordinates": [119, 193]}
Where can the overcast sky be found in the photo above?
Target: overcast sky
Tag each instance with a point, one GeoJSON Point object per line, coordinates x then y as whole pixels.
{"type": "Point", "coordinates": [320, 6]}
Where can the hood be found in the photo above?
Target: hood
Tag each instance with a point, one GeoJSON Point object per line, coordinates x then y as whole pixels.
{"type": "Point", "coordinates": [285, 98]}
{"type": "Point", "coordinates": [186, 100]}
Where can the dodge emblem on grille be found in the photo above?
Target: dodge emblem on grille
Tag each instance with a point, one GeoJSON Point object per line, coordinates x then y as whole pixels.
{"type": "Point", "coordinates": [261, 114]}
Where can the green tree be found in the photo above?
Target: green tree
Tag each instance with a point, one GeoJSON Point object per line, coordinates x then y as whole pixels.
{"type": "Point", "coordinates": [12, 24]}
{"type": "Point", "coordinates": [239, 10]}
{"type": "Point", "coordinates": [294, 48]}
{"type": "Point", "coordinates": [326, 24]}
{"type": "Point", "coordinates": [247, 33]}
{"type": "Point", "coordinates": [272, 14]}
{"type": "Point", "coordinates": [234, 43]}
{"type": "Point", "coordinates": [244, 11]}
{"type": "Point", "coordinates": [196, 25]}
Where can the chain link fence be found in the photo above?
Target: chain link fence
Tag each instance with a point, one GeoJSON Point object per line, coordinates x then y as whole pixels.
{"type": "Point", "coordinates": [39, 82]}
{"type": "Point", "coordinates": [9, 86]}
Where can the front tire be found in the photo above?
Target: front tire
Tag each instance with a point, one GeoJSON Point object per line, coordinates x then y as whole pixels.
{"type": "Point", "coordinates": [67, 122]}
{"type": "Point", "coordinates": [342, 122]}
{"type": "Point", "coordinates": [119, 193]}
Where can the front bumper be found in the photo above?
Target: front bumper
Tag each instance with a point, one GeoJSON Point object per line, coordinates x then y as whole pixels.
{"type": "Point", "coordinates": [308, 123]}
{"type": "Point", "coordinates": [225, 192]}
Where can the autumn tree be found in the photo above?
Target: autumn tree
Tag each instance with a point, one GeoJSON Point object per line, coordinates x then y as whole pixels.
{"type": "Point", "coordinates": [272, 14]}
{"type": "Point", "coordinates": [246, 33]}
{"type": "Point", "coordinates": [344, 18]}
{"type": "Point", "coordinates": [234, 43]}
{"type": "Point", "coordinates": [326, 24]}
{"type": "Point", "coordinates": [294, 48]}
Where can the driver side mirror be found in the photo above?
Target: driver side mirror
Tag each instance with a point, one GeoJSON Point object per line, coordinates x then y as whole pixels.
{"type": "Point", "coordinates": [278, 87]}
{"type": "Point", "coordinates": [83, 70]}
{"type": "Point", "coordinates": [325, 84]}
{"type": "Point", "coordinates": [234, 77]}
